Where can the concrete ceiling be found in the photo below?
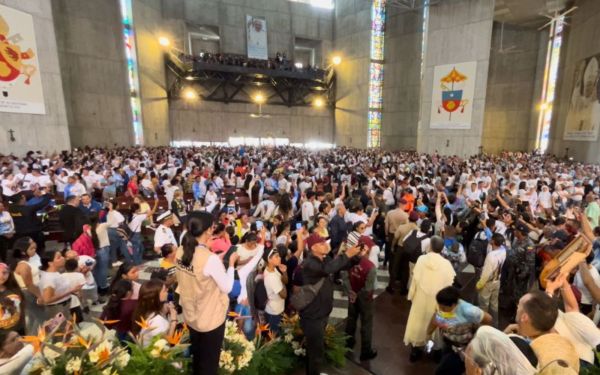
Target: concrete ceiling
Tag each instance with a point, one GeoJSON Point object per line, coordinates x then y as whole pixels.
{"type": "Point", "coordinates": [527, 13]}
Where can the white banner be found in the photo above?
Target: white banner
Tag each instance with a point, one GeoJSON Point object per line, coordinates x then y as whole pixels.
{"type": "Point", "coordinates": [583, 118]}
{"type": "Point", "coordinates": [20, 82]}
{"type": "Point", "coordinates": [256, 37]}
{"type": "Point", "coordinates": [452, 98]}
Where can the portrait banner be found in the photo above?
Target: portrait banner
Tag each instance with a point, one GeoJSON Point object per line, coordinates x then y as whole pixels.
{"type": "Point", "coordinates": [452, 98]}
{"type": "Point", "coordinates": [583, 118]}
{"type": "Point", "coordinates": [256, 38]}
{"type": "Point", "coordinates": [20, 81]}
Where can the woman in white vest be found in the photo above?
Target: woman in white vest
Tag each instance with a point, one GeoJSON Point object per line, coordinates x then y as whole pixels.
{"type": "Point", "coordinates": [203, 288]}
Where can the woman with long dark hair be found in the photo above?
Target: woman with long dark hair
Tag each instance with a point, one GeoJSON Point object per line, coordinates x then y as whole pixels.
{"type": "Point", "coordinates": [203, 289]}
{"type": "Point", "coordinates": [152, 307]}
{"type": "Point", "coordinates": [28, 278]}
{"type": "Point", "coordinates": [55, 290]}
{"type": "Point", "coordinates": [120, 307]}
{"type": "Point", "coordinates": [128, 271]}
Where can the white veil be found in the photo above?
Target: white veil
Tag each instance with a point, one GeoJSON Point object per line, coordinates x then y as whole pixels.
{"type": "Point", "coordinates": [496, 354]}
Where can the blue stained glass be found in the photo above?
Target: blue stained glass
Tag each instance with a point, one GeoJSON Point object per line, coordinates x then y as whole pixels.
{"type": "Point", "coordinates": [132, 70]}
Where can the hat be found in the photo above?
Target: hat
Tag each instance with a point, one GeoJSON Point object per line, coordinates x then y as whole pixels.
{"type": "Point", "coordinates": [314, 239]}
{"type": "Point", "coordinates": [413, 216]}
{"type": "Point", "coordinates": [522, 228]}
{"type": "Point", "coordinates": [164, 216]}
{"type": "Point", "coordinates": [367, 241]}
{"type": "Point", "coordinates": [554, 350]}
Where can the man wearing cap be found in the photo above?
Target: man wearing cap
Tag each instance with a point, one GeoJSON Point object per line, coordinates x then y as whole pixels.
{"type": "Point", "coordinates": [313, 318]}
{"type": "Point", "coordinates": [520, 266]}
{"type": "Point", "coordinates": [359, 283]}
{"type": "Point", "coordinates": [164, 233]}
{"type": "Point", "coordinates": [393, 219]}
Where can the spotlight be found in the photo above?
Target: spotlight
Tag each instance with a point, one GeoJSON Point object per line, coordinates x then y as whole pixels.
{"type": "Point", "coordinates": [336, 60]}
{"type": "Point", "coordinates": [259, 98]}
{"type": "Point", "coordinates": [189, 78]}
{"type": "Point", "coordinates": [319, 102]}
{"type": "Point", "coordinates": [164, 41]}
{"type": "Point", "coordinates": [298, 65]}
{"type": "Point", "coordinates": [190, 94]}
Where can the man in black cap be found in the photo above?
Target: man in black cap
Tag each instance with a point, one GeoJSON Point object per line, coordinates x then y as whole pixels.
{"type": "Point", "coordinates": [313, 318]}
{"type": "Point", "coordinates": [519, 268]}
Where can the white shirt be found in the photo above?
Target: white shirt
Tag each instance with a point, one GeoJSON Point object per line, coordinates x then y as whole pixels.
{"type": "Point", "coordinates": [388, 197]}
{"type": "Point", "coordinates": [492, 264]}
{"type": "Point", "coordinates": [158, 325]}
{"type": "Point", "coordinates": [88, 261]}
{"type": "Point", "coordinates": [586, 296]}
{"type": "Point", "coordinates": [245, 270]}
{"type": "Point", "coordinates": [114, 218]}
{"type": "Point", "coordinates": [74, 279]}
{"type": "Point", "coordinates": [56, 281]}
{"type": "Point", "coordinates": [265, 209]}
{"type": "Point", "coordinates": [78, 189]}
{"type": "Point", "coordinates": [308, 211]}
{"type": "Point", "coordinates": [136, 222]}
{"type": "Point", "coordinates": [164, 235]}
{"type": "Point", "coordinates": [9, 187]}
{"type": "Point", "coordinates": [273, 286]}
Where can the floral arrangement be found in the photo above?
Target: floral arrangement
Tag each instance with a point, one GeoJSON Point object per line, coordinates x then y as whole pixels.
{"type": "Point", "coordinates": [276, 355]}
{"type": "Point", "coordinates": [74, 350]}
{"type": "Point", "coordinates": [236, 352]}
{"type": "Point", "coordinates": [162, 356]}
{"type": "Point", "coordinates": [90, 348]}
{"type": "Point", "coordinates": [335, 341]}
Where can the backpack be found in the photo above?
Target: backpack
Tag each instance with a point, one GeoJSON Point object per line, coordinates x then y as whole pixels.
{"type": "Point", "coordinates": [412, 246]}
{"type": "Point", "coordinates": [477, 251]}
{"type": "Point", "coordinates": [124, 231]}
{"type": "Point", "coordinates": [260, 295]}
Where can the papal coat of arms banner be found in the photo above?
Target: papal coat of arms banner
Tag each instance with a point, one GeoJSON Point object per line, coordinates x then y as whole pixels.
{"type": "Point", "coordinates": [453, 91]}
{"type": "Point", "coordinates": [20, 82]}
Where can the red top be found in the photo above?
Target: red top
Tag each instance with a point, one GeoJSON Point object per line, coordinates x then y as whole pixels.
{"type": "Point", "coordinates": [84, 245]}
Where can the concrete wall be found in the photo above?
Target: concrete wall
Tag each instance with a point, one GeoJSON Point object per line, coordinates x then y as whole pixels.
{"type": "Point", "coordinates": [583, 40]}
{"type": "Point", "coordinates": [212, 121]}
{"type": "Point", "coordinates": [510, 89]}
{"type": "Point", "coordinates": [458, 31]}
{"type": "Point", "coordinates": [47, 132]}
{"type": "Point", "coordinates": [147, 20]}
{"type": "Point", "coordinates": [402, 79]}
{"type": "Point", "coordinates": [94, 71]}
{"type": "Point", "coordinates": [352, 40]}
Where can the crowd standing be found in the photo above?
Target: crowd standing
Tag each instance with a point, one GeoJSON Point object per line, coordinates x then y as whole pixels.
{"type": "Point", "coordinates": [245, 232]}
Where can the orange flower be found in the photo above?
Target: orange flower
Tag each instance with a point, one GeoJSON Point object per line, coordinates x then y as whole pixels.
{"type": "Point", "coordinates": [175, 338]}
{"type": "Point", "coordinates": [36, 341]}
{"type": "Point", "coordinates": [103, 356]}
{"type": "Point", "coordinates": [82, 342]}
{"type": "Point", "coordinates": [263, 327]}
{"type": "Point", "coordinates": [108, 322]}
{"type": "Point", "coordinates": [143, 323]}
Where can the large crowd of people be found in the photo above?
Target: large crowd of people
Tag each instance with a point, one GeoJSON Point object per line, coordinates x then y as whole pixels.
{"type": "Point", "coordinates": [247, 232]}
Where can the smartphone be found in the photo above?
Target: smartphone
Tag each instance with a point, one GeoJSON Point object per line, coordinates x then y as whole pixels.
{"type": "Point", "coordinates": [298, 225]}
{"type": "Point", "coordinates": [259, 225]}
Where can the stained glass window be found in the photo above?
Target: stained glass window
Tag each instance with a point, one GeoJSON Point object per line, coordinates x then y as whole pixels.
{"type": "Point", "coordinates": [549, 88]}
{"type": "Point", "coordinates": [132, 71]}
{"type": "Point", "coordinates": [376, 74]}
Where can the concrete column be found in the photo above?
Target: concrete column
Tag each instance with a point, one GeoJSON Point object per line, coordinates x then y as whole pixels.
{"type": "Point", "coordinates": [458, 31]}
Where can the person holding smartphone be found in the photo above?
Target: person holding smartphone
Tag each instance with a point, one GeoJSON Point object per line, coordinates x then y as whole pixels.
{"type": "Point", "coordinates": [359, 283]}
{"type": "Point", "coordinates": [152, 306]}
